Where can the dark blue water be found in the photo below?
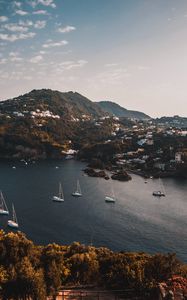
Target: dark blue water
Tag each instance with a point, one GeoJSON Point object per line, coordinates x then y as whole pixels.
{"type": "Point", "coordinates": [136, 222]}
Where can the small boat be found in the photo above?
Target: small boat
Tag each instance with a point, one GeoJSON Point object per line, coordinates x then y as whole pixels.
{"type": "Point", "coordinates": [3, 206]}
{"type": "Point", "coordinates": [14, 222]}
{"type": "Point", "coordinates": [60, 197]}
{"type": "Point", "coordinates": [160, 192]}
{"type": "Point", "coordinates": [110, 199]}
{"type": "Point", "coordinates": [77, 192]}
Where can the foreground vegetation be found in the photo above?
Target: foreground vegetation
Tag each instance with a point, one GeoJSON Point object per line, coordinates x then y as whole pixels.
{"type": "Point", "coordinates": [27, 270]}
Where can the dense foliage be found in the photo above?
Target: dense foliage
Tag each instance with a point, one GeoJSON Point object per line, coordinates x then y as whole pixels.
{"type": "Point", "coordinates": [30, 271]}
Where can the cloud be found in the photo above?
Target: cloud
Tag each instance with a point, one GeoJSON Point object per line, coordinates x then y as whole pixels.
{"type": "Point", "coordinates": [50, 3]}
{"type": "Point", "coordinates": [15, 28]}
{"type": "Point", "coordinates": [40, 12]}
{"type": "Point", "coordinates": [17, 3]}
{"type": "Point", "coordinates": [15, 37]}
{"type": "Point", "coordinates": [36, 59]}
{"type": "Point", "coordinates": [25, 23]}
{"type": "Point", "coordinates": [3, 61]}
{"type": "Point", "coordinates": [12, 53]}
{"type": "Point", "coordinates": [33, 3]}
{"type": "Point", "coordinates": [16, 59]}
{"type": "Point", "coordinates": [55, 44]}
{"type": "Point", "coordinates": [47, 3]}
{"type": "Point", "coordinates": [66, 29]}
{"type": "Point", "coordinates": [3, 18]}
{"type": "Point", "coordinates": [21, 12]}
{"type": "Point", "coordinates": [68, 65]}
{"type": "Point", "coordinates": [40, 24]}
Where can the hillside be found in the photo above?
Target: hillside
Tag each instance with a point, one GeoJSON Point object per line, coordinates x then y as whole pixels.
{"type": "Point", "coordinates": [175, 121]}
{"type": "Point", "coordinates": [70, 105]}
{"type": "Point", "coordinates": [43, 123]}
{"type": "Point", "coordinates": [117, 110]}
{"type": "Point", "coordinates": [28, 271]}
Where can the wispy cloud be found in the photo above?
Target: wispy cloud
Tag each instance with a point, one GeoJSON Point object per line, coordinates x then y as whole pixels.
{"type": "Point", "coordinates": [25, 23]}
{"type": "Point", "coordinates": [17, 3]}
{"type": "Point", "coordinates": [40, 24]}
{"type": "Point", "coordinates": [55, 44]}
{"type": "Point", "coordinates": [50, 3]}
{"type": "Point", "coordinates": [21, 12]}
{"type": "Point", "coordinates": [15, 57]}
{"type": "Point", "coordinates": [13, 54]}
{"type": "Point", "coordinates": [68, 65]}
{"type": "Point", "coordinates": [3, 18]}
{"type": "Point", "coordinates": [15, 27]}
{"type": "Point", "coordinates": [36, 59]}
{"type": "Point", "coordinates": [40, 12]}
{"type": "Point", "coordinates": [66, 29]}
{"type": "Point", "coordinates": [47, 3]}
{"type": "Point", "coordinates": [15, 37]}
{"type": "Point", "coordinates": [3, 61]}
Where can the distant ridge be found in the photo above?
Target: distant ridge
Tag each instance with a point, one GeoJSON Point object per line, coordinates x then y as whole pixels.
{"type": "Point", "coordinates": [119, 111]}
{"type": "Point", "coordinates": [68, 104]}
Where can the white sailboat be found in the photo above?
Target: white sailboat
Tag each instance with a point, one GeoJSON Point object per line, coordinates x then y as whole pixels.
{"type": "Point", "coordinates": [111, 199]}
{"type": "Point", "coordinates": [60, 197]}
{"type": "Point", "coordinates": [3, 206]}
{"type": "Point", "coordinates": [160, 192]}
{"type": "Point", "coordinates": [77, 192]}
{"type": "Point", "coordinates": [14, 222]}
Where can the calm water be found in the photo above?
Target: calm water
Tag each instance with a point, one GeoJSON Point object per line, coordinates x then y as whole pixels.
{"type": "Point", "coordinates": [136, 222]}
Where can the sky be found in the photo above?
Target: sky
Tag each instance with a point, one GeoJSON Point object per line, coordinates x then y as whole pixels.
{"type": "Point", "coordinates": [132, 52]}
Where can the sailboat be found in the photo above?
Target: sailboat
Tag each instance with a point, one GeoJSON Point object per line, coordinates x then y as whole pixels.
{"type": "Point", "coordinates": [160, 192]}
{"type": "Point", "coordinates": [14, 222]}
{"type": "Point", "coordinates": [3, 206]}
{"type": "Point", "coordinates": [110, 199]}
{"type": "Point", "coordinates": [60, 197]}
{"type": "Point", "coordinates": [77, 192]}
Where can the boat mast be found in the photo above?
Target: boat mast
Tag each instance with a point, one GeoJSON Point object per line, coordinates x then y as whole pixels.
{"type": "Point", "coordinates": [3, 203]}
{"type": "Point", "coordinates": [14, 214]}
{"type": "Point", "coordinates": [78, 187]}
{"type": "Point", "coordinates": [60, 191]}
{"type": "Point", "coordinates": [1, 198]}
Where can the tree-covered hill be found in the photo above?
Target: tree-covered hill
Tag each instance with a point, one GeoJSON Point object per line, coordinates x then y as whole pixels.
{"type": "Point", "coordinates": [28, 271]}
{"type": "Point", "coordinates": [43, 123]}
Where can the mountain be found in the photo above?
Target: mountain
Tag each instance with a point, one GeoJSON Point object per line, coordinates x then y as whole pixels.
{"type": "Point", "coordinates": [70, 105]}
{"type": "Point", "coordinates": [45, 123]}
{"type": "Point", "coordinates": [117, 110]}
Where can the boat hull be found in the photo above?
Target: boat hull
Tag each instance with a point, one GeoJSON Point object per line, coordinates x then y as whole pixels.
{"type": "Point", "coordinates": [158, 194]}
{"type": "Point", "coordinates": [12, 224]}
{"type": "Point", "coordinates": [109, 199]}
{"type": "Point", "coordinates": [4, 212]}
{"type": "Point", "coordinates": [57, 199]}
{"type": "Point", "coordinates": [76, 194]}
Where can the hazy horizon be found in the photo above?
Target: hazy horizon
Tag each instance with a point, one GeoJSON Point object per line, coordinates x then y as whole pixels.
{"type": "Point", "coordinates": [129, 52]}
